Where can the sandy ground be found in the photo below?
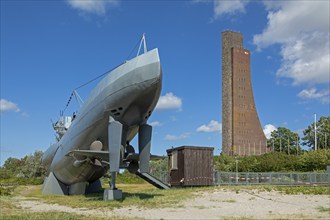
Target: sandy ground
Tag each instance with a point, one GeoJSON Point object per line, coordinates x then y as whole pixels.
{"type": "Point", "coordinates": [218, 204]}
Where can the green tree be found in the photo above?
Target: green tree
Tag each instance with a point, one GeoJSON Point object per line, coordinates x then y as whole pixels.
{"type": "Point", "coordinates": [159, 169]}
{"type": "Point", "coordinates": [12, 166]}
{"type": "Point", "coordinates": [248, 164]}
{"type": "Point", "coordinates": [27, 167]}
{"type": "Point", "coordinates": [33, 167]}
{"type": "Point", "coordinates": [315, 160]}
{"type": "Point", "coordinates": [307, 161]}
{"type": "Point", "coordinates": [322, 134]}
{"type": "Point", "coordinates": [274, 161]}
{"type": "Point", "coordinates": [284, 140]}
{"type": "Point", "coordinates": [224, 163]}
{"type": "Point", "coordinates": [156, 166]}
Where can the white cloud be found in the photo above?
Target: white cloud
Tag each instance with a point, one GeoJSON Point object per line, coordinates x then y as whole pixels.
{"type": "Point", "coordinates": [7, 106]}
{"type": "Point", "coordinates": [306, 60]}
{"type": "Point", "coordinates": [212, 126]}
{"type": "Point", "coordinates": [312, 94]}
{"type": "Point", "coordinates": [228, 7]}
{"type": "Point", "coordinates": [98, 7]}
{"type": "Point", "coordinates": [170, 137]}
{"type": "Point", "coordinates": [268, 130]}
{"type": "Point", "coordinates": [223, 7]}
{"type": "Point", "coordinates": [155, 124]}
{"type": "Point", "coordinates": [169, 101]}
{"type": "Point", "coordinates": [302, 30]}
{"type": "Point", "coordinates": [287, 19]}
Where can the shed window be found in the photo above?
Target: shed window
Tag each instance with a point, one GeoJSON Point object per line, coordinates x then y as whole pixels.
{"type": "Point", "coordinates": [174, 160]}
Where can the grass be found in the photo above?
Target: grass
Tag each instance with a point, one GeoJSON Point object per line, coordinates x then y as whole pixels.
{"type": "Point", "coordinates": [139, 195]}
{"type": "Point", "coordinates": [10, 210]}
{"type": "Point", "coordinates": [47, 215]}
{"type": "Point", "coordinates": [7, 203]}
{"type": "Point", "coordinates": [323, 209]}
{"type": "Point", "coordinates": [6, 191]}
{"type": "Point", "coordinates": [230, 201]}
{"type": "Point", "coordinates": [296, 216]}
{"type": "Point", "coordinates": [201, 207]}
{"type": "Point", "coordinates": [238, 218]}
{"type": "Point", "coordinates": [306, 190]}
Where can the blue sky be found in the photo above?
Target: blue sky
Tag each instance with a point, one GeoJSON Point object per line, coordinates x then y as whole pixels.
{"type": "Point", "coordinates": [48, 48]}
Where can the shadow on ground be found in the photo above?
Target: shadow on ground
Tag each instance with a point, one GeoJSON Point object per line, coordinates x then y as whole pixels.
{"type": "Point", "coordinates": [126, 195]}
{"type": "Point", "coordinates": [141, 195]}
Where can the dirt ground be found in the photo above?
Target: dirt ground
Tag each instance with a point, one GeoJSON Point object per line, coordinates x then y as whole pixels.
{"type": "Point", "coordinates": [217, 204]}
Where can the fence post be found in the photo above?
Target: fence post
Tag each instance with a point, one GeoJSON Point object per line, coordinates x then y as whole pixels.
{"type": "Point", "coordinates": [216, 177]}
{"type": "Point", "coordinates": [291, 179]}
{"type": "Point", "coordinates": [328, 169]}
{"type": "Point", "coordinates": [298, 179]}
{"type": "Point", "coordinates": [258, 179]}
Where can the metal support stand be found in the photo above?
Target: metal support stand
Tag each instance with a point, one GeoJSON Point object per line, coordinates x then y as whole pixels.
{"type": "Point", "coordinates": [53, 186]}
{"type": "Point", "coordinates": [78, 188]}
{"type": "Point", "coordinates": [113, 180]}
{"type": "Point", "coordinates": [114, 139]}
{"type": "Point", "coordinates": [145, 132]}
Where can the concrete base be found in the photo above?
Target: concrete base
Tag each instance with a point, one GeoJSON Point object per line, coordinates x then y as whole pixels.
{"type": "Point", "coordinates": [94, 187]}
{"type": "Point", "coordinates": [110, 194]}
{"type": "Point", "coordinates": [53, 186]}
{"type": "Point", "coordinates": [78, 188]}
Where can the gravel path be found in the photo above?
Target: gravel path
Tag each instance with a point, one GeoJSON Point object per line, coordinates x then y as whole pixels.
{"type": "Point", "coordinates": [217, 204]}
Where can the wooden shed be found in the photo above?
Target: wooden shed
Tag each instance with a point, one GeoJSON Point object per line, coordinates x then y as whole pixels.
{"type": "Point", "coordinates": [190, 166]}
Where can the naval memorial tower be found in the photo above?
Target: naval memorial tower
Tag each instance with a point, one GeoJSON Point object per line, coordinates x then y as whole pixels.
{"type": "Point", "coordinates": [242, 133]}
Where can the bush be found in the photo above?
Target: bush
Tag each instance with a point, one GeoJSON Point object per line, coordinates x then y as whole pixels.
{"type": "Point", "coordinates": [27, 170]}
{"type": "Point", "coordinates": [6, 190]}
{"type": "Point", "coordinates": [315, 160]}
{"type": "Point", "coordinates": [22, 181]}
{"type": "Point", "coordinates": [275, 162]}
{"type": "Point", "coordinates": [4, 174]}
{"type": "Point", "coordinates": [129, 178]}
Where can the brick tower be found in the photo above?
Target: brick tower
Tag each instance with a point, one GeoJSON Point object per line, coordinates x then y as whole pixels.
{"type": "Point", "coordinates": [242, 133]}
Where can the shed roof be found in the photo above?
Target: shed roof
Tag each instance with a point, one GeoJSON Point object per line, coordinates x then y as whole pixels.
{"type": "Point", "coordinates": [189, 147]}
